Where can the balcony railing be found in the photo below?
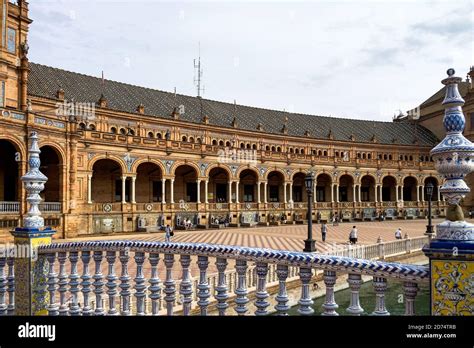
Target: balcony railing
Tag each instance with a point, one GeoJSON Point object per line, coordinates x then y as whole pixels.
{"type": "Point", "coordinates": [70, 296]}
{"type": "Point", "coordinates": [9, 207]}
{"type": "Point", "coordinates": [50, 207]}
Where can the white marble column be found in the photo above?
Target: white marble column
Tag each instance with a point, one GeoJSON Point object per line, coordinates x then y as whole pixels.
{"type": "Point", "coordinates": [237, 192]}
{"type": "Point", "coordinates": [401, 193]}
{"type": "Point", "coordinates": [206, 190]}
{"type": "Point", "coordinates": [230, 191]}
{"type": "Point", "coordinates": [315, 200]}
{"type": "Point", "coordinates": [418, 193]}
{"type": "Point", "coordinates": [172, 190]}
{"type": "Point", "coordinates": [439, 194]}
{"type": "Point", "coordinates": [265, 197]}
{"type": "Point", "coordinates": [258, 192]}
{"type": "Point", "coordinates": [396, 192]}
{"type": "Point", "coordinates": [134, 178]}
{"type": "Point", "coordinates": [360, 193]}
{"type": "Point", "coordinates": [423, 193]}
{"type": "Point", "coordinates": [353, 193]}
{"type": "Point", "coordinates": [124, 181]}
{"type": "Point", "coordinates": [163, 191]}
{"type": "Point", "coordinates": [291, 191]}
{"type": "Point", "coordinates": [89, 188]}
{"type": "Point", "coordinates": [375, 192]}
{"type": "Point", "coordinates": [332, 193]}
{"type": "Point", "coordinates": [198, 184]}
{"type": "Point", "coordinates": [284, 192]}
{"type": "Point", "coordinates": [337, 193]}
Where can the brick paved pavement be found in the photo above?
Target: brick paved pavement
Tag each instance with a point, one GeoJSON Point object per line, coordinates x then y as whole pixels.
{"type": "Point", "coordinates": [287, 237]}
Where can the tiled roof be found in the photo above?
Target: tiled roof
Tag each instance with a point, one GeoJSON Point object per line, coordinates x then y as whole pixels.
{"type": "Point", "coordinates": [45, 81]}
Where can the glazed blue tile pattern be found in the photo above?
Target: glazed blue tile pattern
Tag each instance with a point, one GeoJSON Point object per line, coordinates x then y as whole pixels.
{"type": "Point", "coordinates": [454, 122]}
{"type": "Point", "coordinates": [300, 259]}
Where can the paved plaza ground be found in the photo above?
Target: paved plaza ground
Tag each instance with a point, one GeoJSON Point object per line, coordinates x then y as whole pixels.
{"type": "Point", "coordinates": [287, 237]}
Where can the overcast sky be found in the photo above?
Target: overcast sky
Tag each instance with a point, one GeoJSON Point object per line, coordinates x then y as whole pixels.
{"type": "Point", "coordinates": [354, 59]}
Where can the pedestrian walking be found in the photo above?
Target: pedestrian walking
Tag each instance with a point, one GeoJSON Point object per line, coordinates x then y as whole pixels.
{"type": "Point", "coordinates": [398, 233]}
{"type": "Point", "coordinates": [324, 230]}
{"type": "Point", "coordinates": [353, 235]}
{"type": "Point", "coordinates": [168, 233]}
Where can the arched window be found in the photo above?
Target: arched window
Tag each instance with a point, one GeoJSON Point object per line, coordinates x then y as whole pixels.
{"type": "Point", "coordinates": [221, 143]}
{"type": "Point", "coordinates": [337, 154]}
{"type": "Point", "coordinates": [297, 151]}
{"type": "Point", "coordinates": [248, 146]}
{"type": "Point", "coordinates": [411, 158]}
{"type": "Point", "coordinates": [390, 157]}
{"type": "Point", "coordinates": [184, 139]}
{"type": "Point", "coordinates": [291, 150]}
{"type": "Point", "coordinates": [113, 130]}
{"type": "Point", "coordinates": [242, 145]}
{"type": "Point", "coordinates": [369, 156]}
{"type": "Point", "coordinates": [82, 125]}
{"type": "Point", "coordinates": [214, 142]}
{"type": "Point", "coordinates": [273, 148]}
{"type": "Point", "coordinates": [158, 135]}
{"type": "Point", "coordinates": [385, 157]}
{"type": "Point", "coordinates": [151, 135]}
{"type": "Point", "coordinates": [123, 131]}
{"type": "Point", "coordinates": [92, 127]}
{"type": "Point", "coordinates": [325, 153]}
{"type": "Point", "coordinates": [279, 148]}
{"type": "Point", "coordinates": [267, 148]}
{"type": "Point", "coordinates": [131, 132]}
{"type": "Point", "coordinates": [254, 146]}
{"type": "Point", "coordinates": [227, 143]}
{"type": "Point", "coordinates": [191, 139]}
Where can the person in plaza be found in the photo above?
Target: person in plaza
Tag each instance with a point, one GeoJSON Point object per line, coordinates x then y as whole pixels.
{"type": "Point", "coordinates": [471, 213]}
{"type": "Point", "coordinates": [324, 231]}
{"type": "Point", "coordinates": [398, 233]}
{"type": "Point", "coordinates": [353, 235]}
{"type": "Point", "coordinates": [168, 233]}
{"type": "Point", "coordinates": [335, 219]}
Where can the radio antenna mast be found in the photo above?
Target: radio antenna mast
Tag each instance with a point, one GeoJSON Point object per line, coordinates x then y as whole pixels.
{"type": "Point", "coordinates": [198, 74]}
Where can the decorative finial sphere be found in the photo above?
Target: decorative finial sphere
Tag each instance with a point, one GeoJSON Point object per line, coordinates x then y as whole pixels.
{"type": "Point", "coordinates": [450, 72]}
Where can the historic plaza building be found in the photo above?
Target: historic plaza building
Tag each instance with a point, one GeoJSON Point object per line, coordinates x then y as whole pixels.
{"type": "Point", "coordinates": [127, 158]}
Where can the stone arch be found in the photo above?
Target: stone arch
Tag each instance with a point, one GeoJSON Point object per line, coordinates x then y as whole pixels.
{"type": "Point", "coordinates": [10, 171]}
{"type": "Point", "coordinates": [18, 145]}
{"type": "Point", "coordinates": [218, 165]}
{"type": "Point", "coordinates": [241, 169]}
{"type": "Point", "coordinates": [346, 188]}
{"type": "Point", "coordinates": [292, 175]}
{"type": "Point", "coordinates": [52, 165]}
{"type": "Point", "coordinates": [270, 170]}
{"type": "Point", "coordinates": [177, 164]}
{"type": "Point", "coordinates": [137, 163]}
{"type": "Point", "coordinates": [389, 188]}
{"type": "Point", "coordinates": [114, 158]}
{"type": "Point", "coordinates": [57, 148]}
{"type": "Point", "coordinates": [106, 181]}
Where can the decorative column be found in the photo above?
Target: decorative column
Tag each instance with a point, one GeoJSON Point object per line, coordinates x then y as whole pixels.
{"type": "Point", "coordinates": [134, 178]}
{"type": "Point", "coordinates": [422, 193]}
{"type": "Point", "coordinates": [315, 200]}
{"type": "Point", "coordinates": [397, 188]}
{"type": "Point", "coordinates": [330, 304]}
{"type": "Point", "coordinates": [265, 196]}
{"type": "Point", "coordinates": [284, 193]}
{"type": "Point", "coordinates": [332, 193]}
{"type": "Point", "coordinates": [375, 193]}
{"type": "Point", "coordinates": [172, 190]}
{"type": "Point", "coordinates": [282, 297]}
{"type": "Point", "coordinates": [163, 191]}
{"type": "Point", "coordinates": [354, 193]}
{"type": "Point", "coordinates": [410, 291]}
{"type": "Point", "coordinates": [30, 288]}
{"type": "Point", "coordinates": [236, 192]}
{"type": "Point", "coordinates": [355, 282]}
{"type": "Point", "coordinates": [89, 188]}
{"type": "Point", "coordinates": [198, 184]}
{"type": "Point", "coordinates": [241, 290]}
{"type": "Point", "coordinates": [337, 193]}
{"type": "Point", "coordinates": [230, 191]}
{"type": "Point", "coordinates": [380, 287]}
{"type": "Point", "coordinates": [305, 302]}
{"type": "Point", "coordinates": [291, 192]}
{"type": "Point", "coordinates": [124, 181]}
{"type": "Point", "coordinates": [439, 193]}
{"type": "Point", "coordinates": [401, 193]}
{"type": "Point", "coordinates": [206, 191]}
{"type": "Point", "coordinates": [451, 252]}
{"type": "Point", "coordinates": [418, 193]}
{"type": "Point", "coordinates": [360, 194]}
{"type": "Point", "coordinates": [258, 192]}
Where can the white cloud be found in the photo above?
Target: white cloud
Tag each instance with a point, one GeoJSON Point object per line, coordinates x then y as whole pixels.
{"type": "Point", "coordinates": [341, 58]}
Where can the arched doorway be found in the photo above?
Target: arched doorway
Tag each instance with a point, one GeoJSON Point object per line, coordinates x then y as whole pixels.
{"type": "Point", "coordinates": [409, 189]}
{"type": "Point", "coordinates": [323, 188]}
{"type": "Point", "coordinates": [218, 186]}
{"type": "Point", "coordinates": [299, 191]}
{"type": "Point", "coordinates": [9, 172]}
{"type": "Point", "coordinates": [389, 189]}
{"type": "Point", "coordinates": [185, 184]}
{"type": "Point", "coordinates": [51, 167]}
{"type": "Point", "coordinates": [107, 182]}
{"type": "Point", "coordinates": [346, 188]}
{"type": "Point", "coordinates": [367, 189]}
{"type": "Point", "coordinates": [248, 180]}
{"type": "Point", "coordinates": [148, 185]}
{"type": "Point", "coordinates": [275, 181]}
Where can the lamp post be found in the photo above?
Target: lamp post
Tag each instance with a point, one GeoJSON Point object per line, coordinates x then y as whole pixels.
{"type": "Point", "coordinates": [309, 244]}
{"type": "Point", "coordinates": [429, 194]}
